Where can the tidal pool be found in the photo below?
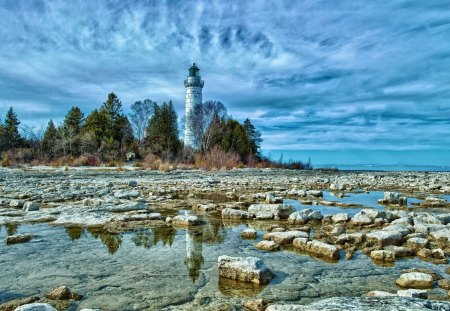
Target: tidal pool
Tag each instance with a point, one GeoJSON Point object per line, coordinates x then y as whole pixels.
{"type": "Point", "coordinates": [156, 267]}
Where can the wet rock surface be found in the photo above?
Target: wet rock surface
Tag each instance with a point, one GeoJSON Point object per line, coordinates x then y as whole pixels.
{"type": "Point", "coordinates": [152, 240]}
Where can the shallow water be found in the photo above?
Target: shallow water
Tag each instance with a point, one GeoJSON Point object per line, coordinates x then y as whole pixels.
{"type": "Point", "coordinates": [161, 266]}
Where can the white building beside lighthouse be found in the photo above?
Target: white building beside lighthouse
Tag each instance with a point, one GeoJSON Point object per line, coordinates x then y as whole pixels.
{"type": "Point", "coordinates": [194, 85]}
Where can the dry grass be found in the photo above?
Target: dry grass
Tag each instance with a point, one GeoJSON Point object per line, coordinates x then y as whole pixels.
{"type": "Point", "coordinates": [217, 159]}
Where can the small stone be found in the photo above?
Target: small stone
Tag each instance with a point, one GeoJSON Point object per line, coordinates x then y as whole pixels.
{"type": "Point", "coordinates": [413, 293]}
{"type": "Point", "coordinates": [382, 255]}
{"type": "Point", "coordinates": [59, 293]}
{"type": "Point", "coordinates": [248, 234]}
{"type": "Point", "coordinates": [284, 238]}
{"type": "Point", "coordinates": [444, 283]}
{"type": "Point", "coordinates": [255, 304]}
{"type": "Point", "coordinates": [438, 253]}
{"type": "Point", "coordinates": [379, 293]}
{"type": "Point", "coordinates": [184, 220]}
{"type": "Point", "coordinates": [425, 253]}
{"type": "Point", "coordinates": [31, 206]}
{"type": "Point", "coordinates": [268, 246]}
{"type": "Point", "coordinates": [18, 238]}
{"type": "Point", "coordinates": [341, 217]}
{"type": "Point", "coordinates": [16, 203]}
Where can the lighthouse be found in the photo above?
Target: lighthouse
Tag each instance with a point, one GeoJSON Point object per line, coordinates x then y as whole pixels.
{"type": "Point", "coordinates": [194, 85]}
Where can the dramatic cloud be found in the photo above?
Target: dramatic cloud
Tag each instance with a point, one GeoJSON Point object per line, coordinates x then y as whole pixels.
{"type": "Point", "coordinates": [310, 74]}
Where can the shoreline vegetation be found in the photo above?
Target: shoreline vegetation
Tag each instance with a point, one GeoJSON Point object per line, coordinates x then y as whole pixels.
{"type": "Point", "coordinates": [148, 138]}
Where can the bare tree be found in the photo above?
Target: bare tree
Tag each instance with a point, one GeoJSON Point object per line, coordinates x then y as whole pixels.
{"type": "Point", "coordinates": [141, 111]}
{"type": "Point", "coordinates": [200, 118]}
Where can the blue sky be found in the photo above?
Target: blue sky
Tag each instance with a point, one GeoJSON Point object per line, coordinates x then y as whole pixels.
{"type": "Point", "coordinates": [310, 74]}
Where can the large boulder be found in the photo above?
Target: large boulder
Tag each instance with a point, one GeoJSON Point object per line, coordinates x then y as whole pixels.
{"type": "Point", "coordinates": [415, 280]}
{"type": "Point", "coordinates": [249, 269]}
{"type": "Point", "coordinates": [236, 214]}
{"type": "Point", "coordinates": [284, 238]}
{"type": "Point", "coordinates": [278, 211]}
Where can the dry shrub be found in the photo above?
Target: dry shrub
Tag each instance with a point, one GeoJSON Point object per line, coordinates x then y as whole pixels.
{"type": "Point", "coordinates": [216, 159]}
{"type": "Point", "coordinates": [152, 162]}
{"type": "Point", "coordinates": [165, 167]}
{"type": "Point", "coordinates": [6, 160]}
{"type": "Point", "coordinates": [35, 163]}
{"type": "Point", "coordinates": [138, 164]}
{"type": "Point", "coordinates": [80, 161]}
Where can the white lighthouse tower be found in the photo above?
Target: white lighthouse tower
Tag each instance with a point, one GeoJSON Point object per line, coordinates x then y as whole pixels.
{"type": "Point", "coordinates": [194, 85]}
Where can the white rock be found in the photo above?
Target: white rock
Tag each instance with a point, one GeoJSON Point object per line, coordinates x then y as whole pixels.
{"type": "Point", "coordinates": [249, 269]}
{"type": "Point", "coordinates": [35, 307]}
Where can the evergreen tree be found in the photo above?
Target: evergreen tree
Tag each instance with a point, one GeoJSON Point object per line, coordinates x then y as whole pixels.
{"type": "Point", "coordinates": [50, 139]}
{"type": "Point", "coordinates": [10, 137]}
{"type": "Point", "coordinates": [71, 130]}
{"type": "Point", "coordinates": [162, 133]}
{"type": "Point", "coordinates": [254, 136]}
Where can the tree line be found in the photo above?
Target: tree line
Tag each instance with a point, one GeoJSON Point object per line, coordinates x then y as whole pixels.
{"type": "Point", "coordinates": [107, 134]}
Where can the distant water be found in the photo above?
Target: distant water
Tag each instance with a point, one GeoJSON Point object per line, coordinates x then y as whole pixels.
{"type": "Point", "coordinates": [369, 160]}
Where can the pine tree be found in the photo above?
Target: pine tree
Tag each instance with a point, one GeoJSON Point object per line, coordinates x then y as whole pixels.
{"type": "Point", "coordinates": [162, 133]}
{"type": "Point", "coordinates": [254, 136]}
{"type": "Point", "coordinates": [50, 139]}
{"type": "Point", "coordinates": [10, 137]}
{"type": "Point", "coordinates": [71, 130]}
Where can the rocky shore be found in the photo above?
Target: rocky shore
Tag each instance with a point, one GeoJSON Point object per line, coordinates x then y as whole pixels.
{"type": "Point", "coordinates": [304, 213]}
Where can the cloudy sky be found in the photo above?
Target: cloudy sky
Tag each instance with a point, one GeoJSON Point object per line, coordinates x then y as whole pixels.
{"type": "Point", "coordinates": [311, 74]}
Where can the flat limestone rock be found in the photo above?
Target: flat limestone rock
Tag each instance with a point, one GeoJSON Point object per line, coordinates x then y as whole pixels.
{"type": "Point", "coordinates": [317, 248]}
{"type": "Point", "coordinates": [186, 221]}
{"type": "Point", "coordinates": [367, 304]}
{"type": "Point", "coordinates": [415, 280]}
{"type": "Point", "coordinates": [18, 238]}
{"type": "Point", "coordinates": [284, 238]}
{"type": "Point", "coordinates": [248, 269]}
{"type": "Point", "coordinates": [268, 246]}
{"type": "Point", "coordinates": [280, 211]}
{"type": "Point", "coordinates": [236, 214]}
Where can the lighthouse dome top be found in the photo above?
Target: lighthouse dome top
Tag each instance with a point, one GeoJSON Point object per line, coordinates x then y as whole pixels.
{"type": "Point", "coordinates": [194, 71]}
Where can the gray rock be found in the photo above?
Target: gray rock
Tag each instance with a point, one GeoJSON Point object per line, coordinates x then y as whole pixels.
{"type": "Point", "coordinates": [341, 217]}
{"type": "Point", "coordinates": [186, 221]}
{"type": "Point", "coordinates": [284, 238]}
{"type": "Point", "coordinates": [268, 246]}
{"type": "Point", "coordinates": [236, 214]}
{"type": "Point", "coordinates": [384, 238]}
{"type": "Point", "coordinates": [31, 206]}
{"type": "Point", "coordinates": [280, 211]}
{"type": "Point", "coordinates": [367, 304]}
{"type": "Point", "coordinates": [16, 203]}
{"type": "Point", "coordinates": [249, 269]}
{"type": "Point", "coordinates": [248, 234]}
{"type": "Point", "coordinates": [415, 280]}
{"type": "Point", "coordinates": [382, 255]}
{"type": "Point", "coordinates": [317, 248]}
{"type": "Point", "coordinates": [126, 194]}
{"type": "Point", "coordinates": [36, 307]}
{"type": "Point", "coordinates": [413, 293]}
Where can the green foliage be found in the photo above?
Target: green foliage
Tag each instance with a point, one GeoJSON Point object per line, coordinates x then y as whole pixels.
{"type": "Point", "coordinates": [162, 132]}
{"type": "Point", "coordinates": [50, 139]}
{"type": "Point", "coordinates": [10, 138]}
{"type": "Point", "coordinates": [231, 136]}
